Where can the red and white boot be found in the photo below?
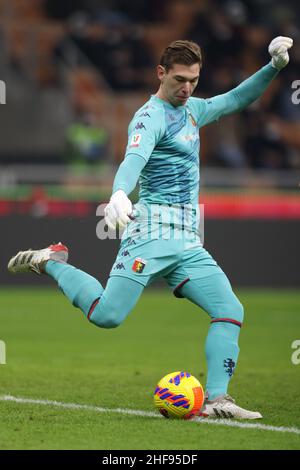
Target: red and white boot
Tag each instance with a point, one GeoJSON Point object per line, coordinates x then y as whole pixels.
{"type": "Point", "coordinates": [225, 407]}
{"type": "Point", "coordinates": [34, 260]}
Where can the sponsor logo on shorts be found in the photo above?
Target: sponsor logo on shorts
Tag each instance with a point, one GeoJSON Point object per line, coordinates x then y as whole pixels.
{"type": "Point", "coordinates": [125, 253]}
{"type": "Point", "coordinates": [119, 266]}
{"type": "Point", "coordinates": [138, 265]}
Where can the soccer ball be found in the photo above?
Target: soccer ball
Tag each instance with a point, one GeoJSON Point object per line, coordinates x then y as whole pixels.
{"type": "Point", "coordinates": [179, 395]}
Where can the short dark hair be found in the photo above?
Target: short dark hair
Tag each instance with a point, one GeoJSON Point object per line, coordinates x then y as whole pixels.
{"type": "Point", "coordinates": [181, 52]}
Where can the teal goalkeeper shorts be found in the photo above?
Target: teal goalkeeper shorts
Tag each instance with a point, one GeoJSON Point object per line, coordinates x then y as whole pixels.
{"type": "Point", "coordinates": [175, 256]}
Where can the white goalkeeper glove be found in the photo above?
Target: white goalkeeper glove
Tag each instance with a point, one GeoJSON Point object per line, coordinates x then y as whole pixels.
{"type": "Point", "coordinates": [278, 50]}
{"type": "Point", "coordinates": [118, 210]}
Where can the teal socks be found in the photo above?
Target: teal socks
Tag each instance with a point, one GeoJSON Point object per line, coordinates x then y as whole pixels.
{"type": "Point", "coordinates": [79, 287]}
{"type": "Point", "coordinates": [222, 352]}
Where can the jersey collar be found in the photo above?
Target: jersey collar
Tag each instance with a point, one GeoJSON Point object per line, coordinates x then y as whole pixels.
{"type": "Point", "coordinates": [166, 103]}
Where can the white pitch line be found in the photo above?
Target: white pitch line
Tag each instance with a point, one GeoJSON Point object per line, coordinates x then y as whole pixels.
{"type": "Point", "coordinates": [148, 414]}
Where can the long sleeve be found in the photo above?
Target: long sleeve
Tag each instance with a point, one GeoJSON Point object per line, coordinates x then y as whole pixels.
{"type": "Point", "coordinates": [238, 98]}
{"type": "Point", "coordinates": [144, 132]}
{"type": "Point", "coordinates": [128, 173]}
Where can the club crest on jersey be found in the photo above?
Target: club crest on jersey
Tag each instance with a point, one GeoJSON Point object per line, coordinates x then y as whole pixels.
{"type": "Point", "coordinates": [135, 140]}
{"type": "Point", "coordinates": [138, 265]}
{"type": "Point", "coordinates": [192, 120]}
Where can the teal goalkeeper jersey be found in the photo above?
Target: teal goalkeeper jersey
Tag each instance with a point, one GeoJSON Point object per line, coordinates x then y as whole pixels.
{"type": "Point", "coordinates": [164, 147]}
{"type": "Point", "coordinates": [167, 138]}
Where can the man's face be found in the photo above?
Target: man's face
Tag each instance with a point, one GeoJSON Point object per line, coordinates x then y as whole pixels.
{"type": "Point", "coordinates": [178, 84]}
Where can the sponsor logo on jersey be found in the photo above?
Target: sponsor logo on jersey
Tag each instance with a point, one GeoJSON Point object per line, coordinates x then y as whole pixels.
{"type": "Point", "coordinates": [138, 265]}
{"type": "Point", "coordinates": [190, 137]}
{"type": "Point", "coordinates": [135, 140]}
{"type": "Point", "coordinates": [144, 115]}
{"type": "Point", "coordinates": [140, 125]}
{"type": "Point", "coordinates": [192, 120]}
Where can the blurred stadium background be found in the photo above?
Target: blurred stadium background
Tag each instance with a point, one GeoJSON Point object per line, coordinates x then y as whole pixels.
{"type": "Point", "coordinates": [76, 71]}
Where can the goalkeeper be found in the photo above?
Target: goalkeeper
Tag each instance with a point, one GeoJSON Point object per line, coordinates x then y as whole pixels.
{"type": "Point", "coordinates": [163, 153]}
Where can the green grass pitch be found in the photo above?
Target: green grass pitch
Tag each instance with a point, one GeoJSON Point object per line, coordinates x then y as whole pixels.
{"type": "Point", "coordinates": [53, 353]}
